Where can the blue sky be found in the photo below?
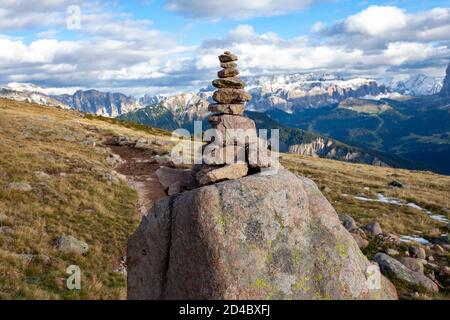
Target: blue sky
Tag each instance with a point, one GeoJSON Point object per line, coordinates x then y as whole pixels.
{"type": "Point", "coordinates": [162, 46]}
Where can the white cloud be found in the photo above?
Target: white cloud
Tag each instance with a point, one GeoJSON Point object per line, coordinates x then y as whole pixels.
{"type": "Point", "coordinates": [377, 26]}
{"type": "Point", "coordinates": [19, 14]}
{"type": "Point", "coordinates": [260, 53]}
{"type": "Point", "coordinates": [398, 53]}
{"type": "Point", "coordinates": [376, 21]}
{"type": "Point", "coordinates": [114, 51]}
{"type": "Point", "coordinates": [236, 9]}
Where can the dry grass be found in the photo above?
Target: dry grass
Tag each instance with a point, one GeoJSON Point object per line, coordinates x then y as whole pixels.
{"type": "Point", "coordinates": [77, 199]}
{"type": "Point", "coordinates": [337, 179]}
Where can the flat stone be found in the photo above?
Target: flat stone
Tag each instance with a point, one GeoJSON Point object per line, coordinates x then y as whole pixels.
{"type": "Point", "coordinates": [412, 264]}
{"type": "Point", "coordinates": [213, 174]}
{"type": "Point", "coordinates": [176, 180]}
{"type": "Point", "coordinates": [234, 82]}
{"type": "Point", "coordinates": [227, 56]}
{"type": "Point", "coordinates": [231, 96]}
{"type": "Point", "coordinates": [233, 129]}
{"type": "Point", "coordinates": [214, 154]}
{"type": "Point", "coordinates": [228, 64]}
{"type": "Point", "coordinates": [237, 109]}
{"type": "Point", "coordinates": [227, 73]}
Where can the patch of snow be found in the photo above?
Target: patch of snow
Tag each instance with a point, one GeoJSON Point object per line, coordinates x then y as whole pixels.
{"type": "Point", "coordinates": [440, 218]}
{"type": "Point", "coordinates": [387, 95]}
{"type": "Point", "coordinates": [414, 206]}
{"type": "Point", "coordinates": [388, 200]}
{"type": "Point", "coordinates": [382, 198]}
{"type": "Point", "coordinates": [364, 199]}
{"type": "Point", "coordinates": [437, 217]}
{"type": "Point", "coordinates": [409, 239]}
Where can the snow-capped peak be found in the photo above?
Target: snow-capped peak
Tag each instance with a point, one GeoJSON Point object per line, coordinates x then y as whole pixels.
{"type": "Point", "coordinates": [415, 85]}
{"type": "Point", "coordinates": [25, 87]}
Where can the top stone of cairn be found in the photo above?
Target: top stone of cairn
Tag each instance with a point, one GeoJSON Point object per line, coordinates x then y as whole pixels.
{"type": "Point", "coordinates": [227, 56]}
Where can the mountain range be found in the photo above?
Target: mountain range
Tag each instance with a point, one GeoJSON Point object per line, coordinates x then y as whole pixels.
{"type": "Point", "coordinates": [290, 93]}
{"type": "Point", "coordinates": [353, 120]}
{"type": "Point", "coordinates": [363, 120]}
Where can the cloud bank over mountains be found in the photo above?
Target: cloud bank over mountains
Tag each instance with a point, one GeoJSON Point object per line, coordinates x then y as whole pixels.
{"type": "Point", "coordinates": [113, 50]}
{"type": "Point", "coordinates": [237, 9]}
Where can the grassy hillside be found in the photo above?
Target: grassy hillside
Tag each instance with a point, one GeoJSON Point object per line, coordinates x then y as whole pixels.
{"type": "Point", "coordinates": [60, 155]}
{"type": "Point", "coordinates": [77, 197]}
{"type": "Point", "coordinates": [341, 182]}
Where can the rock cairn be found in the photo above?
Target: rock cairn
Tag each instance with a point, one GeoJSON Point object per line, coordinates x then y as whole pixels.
{"type": "Point", "coordinates": [236, 154]}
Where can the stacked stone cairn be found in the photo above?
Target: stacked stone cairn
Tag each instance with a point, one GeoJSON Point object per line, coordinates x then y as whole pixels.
{"type": "Point", "coordinates": [238, 150]}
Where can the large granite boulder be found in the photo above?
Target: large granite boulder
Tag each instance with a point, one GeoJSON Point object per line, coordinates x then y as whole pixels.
{"type": "Point", "coordinates": [258, 237]}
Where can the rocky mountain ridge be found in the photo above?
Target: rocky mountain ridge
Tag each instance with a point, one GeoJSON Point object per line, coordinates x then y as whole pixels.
{"type": "Point", "coordinates": [100, 103]}
{"type": "Point", "coordinates": [329, 149]}
{"type": "Point", "coordinates": [415, 85]}
{"type": "Point", "coordinates": [287, 92]}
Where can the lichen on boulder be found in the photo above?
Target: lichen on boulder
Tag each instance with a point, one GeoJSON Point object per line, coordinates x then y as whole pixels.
{"type": "Point", "coordinates": [258, 237]}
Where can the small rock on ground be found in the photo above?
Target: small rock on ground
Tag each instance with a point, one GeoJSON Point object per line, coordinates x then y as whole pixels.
{"type": "Point", "coordinates": [347, 221]}
{"type": "Point", "coordinates": [412, 264]}
{"type": "Point", "coordinates": [68, 244]}
{"type": "Point", "coordinates": [19, 186]}
{"type": "Point", "coordinates": [114, 159]}
{"type": "Point", "coordinates": [373, 228]}
{"type": "Point", "coordinates": [392, 252]}
{"type": "Point", "coordinates": [41, 175]}
{"type": "Point", "coordinates": [417, 252]}
{"type": "Point", "coordinates": [393, 268]}
{"type": "Point", "coordinates": [362, 243]}
{"type": "Point", "coordinates": [6, 230]}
